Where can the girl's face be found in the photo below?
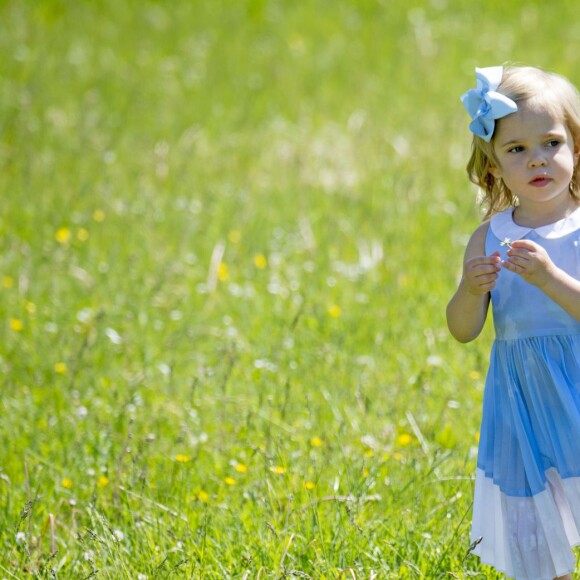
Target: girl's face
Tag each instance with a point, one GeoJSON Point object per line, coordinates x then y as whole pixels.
{"type": "Point", "coordinates": [536, 156]}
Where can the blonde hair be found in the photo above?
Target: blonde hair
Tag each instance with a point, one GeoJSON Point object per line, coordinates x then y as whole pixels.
{"type": "Point", "coordinates": [551, 92]}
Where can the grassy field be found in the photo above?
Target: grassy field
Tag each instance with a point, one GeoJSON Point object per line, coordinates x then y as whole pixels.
{"type": "Point", "coordinates": [229, 231]}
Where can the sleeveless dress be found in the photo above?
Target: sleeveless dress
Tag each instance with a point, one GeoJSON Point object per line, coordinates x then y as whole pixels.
{"type": "Point", "coordinates": [526, 511]}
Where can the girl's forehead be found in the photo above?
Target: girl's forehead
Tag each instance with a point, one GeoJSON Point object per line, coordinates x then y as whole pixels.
{"type": "Point", "coordinates": [532, 115]}
{"type": "Point", "coordinates": [544, 107]}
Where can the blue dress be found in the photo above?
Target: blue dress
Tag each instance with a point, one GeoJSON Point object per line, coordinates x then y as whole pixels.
{"type": "Point", "coordinates": [527, 490]}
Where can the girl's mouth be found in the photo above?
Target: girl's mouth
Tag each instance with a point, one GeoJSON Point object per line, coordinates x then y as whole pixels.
{"type": "Point", "coordinates": [540, 181]}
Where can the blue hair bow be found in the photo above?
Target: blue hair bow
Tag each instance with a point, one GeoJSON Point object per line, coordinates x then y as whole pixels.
{"type": "Point", "coordinates": [484, 104]}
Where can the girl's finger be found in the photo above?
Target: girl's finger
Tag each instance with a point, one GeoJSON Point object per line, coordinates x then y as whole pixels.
{"type": "Point", "coordinates": [520, 254]}
{"type": "Point", "coordinates": [524, 244]}
{"type": "Point", "coordinates": [515, 265]}
{"type": "Point", "coordinates": [486, 261]}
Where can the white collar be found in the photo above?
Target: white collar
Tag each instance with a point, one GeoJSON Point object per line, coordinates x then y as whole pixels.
{"type": "Point", "coordinates": [503, 226]}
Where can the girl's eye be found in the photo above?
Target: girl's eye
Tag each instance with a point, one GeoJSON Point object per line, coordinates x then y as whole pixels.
{"type": "Point", "coordinates": [553, 143]}
{"type": "Point", "coordinates": [516, 149]}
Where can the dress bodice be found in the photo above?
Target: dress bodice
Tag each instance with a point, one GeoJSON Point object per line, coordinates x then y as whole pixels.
{"type": "Point", "coordinates": [520, 309]}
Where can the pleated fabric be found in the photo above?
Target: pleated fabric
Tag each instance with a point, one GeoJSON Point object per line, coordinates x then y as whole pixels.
{"type": "Point", "coordinates": [527, 490]}
{"type": "Point", "coordinates": [528, 537]}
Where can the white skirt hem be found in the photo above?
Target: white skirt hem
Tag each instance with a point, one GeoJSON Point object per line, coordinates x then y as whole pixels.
{"type": "Point", "coordinates": [528, 537]}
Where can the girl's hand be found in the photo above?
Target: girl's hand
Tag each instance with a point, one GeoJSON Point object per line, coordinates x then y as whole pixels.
{"type": "Point", "coordinates": [530, 261]}
{"type": "Point", "coordinates": [480, 273]}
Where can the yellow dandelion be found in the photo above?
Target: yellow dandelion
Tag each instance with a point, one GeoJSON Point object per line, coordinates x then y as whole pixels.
{"type": "Point", "coordinates": [60, 368]}
{"type": "Point", "coordinates": [67, 483]}
{"type": "Point", "coordinates": [230, 481]}
{"type": "Point", "coordinates": [477, 437]}
{"type": "Point", "coordinates": [99, 215]}
{"type": "Point", "coordinates": [369, 453]}
{"type": "Point", "coordinates": [235, 236]}
{"type": "Point", "coordinates": [7, 282]}
{"type": "Point", "coordinates": [316, 442]}
{"type": "Point", "coordinates": [365, 473]}
{"type": "Point", "coordinates": [203, 496]}
{"type": "Point", "coordinates": [309, 485]}
{"type": "Point", "coordinates": [223, 272]}
{"type": "Point", "coordinates": [474, 375]}
{"type": "Point", "coordinates": [83, 235]}
{"type": "Point", "coordinates": [278, 469]}
{"type": "Point", "coordinates": [63, 236]}
{"type": "Point", "coordinates": [334, 311]}
{"type": "Point", "coordinates": [260, 261]}
{"type": "Point", "coordinates": [16, 324]}
{"type": "Point", "coordinates": [181, 458]}
{"type": "Point", "coordinates": [103, 481]}
{"type": "Point", "coordinates": [241, 468]}
{"type": "Point", "coordinates": [30, 307]}
{"type": "Point", "coordinates": [404, 439]}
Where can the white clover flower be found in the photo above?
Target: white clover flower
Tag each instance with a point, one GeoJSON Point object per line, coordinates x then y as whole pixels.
{"type": "Point", "coordinates": [118, 536]}
{"type": "Point", "coordinates": [20, 538]}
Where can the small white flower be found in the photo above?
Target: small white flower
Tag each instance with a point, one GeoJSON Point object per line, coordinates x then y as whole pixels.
{"type": "Point", "coordinates": [506, 242]}
{"type": "Point", "coordinates": [113, 336]}
{"type": "Point", "coordinates": [369, 441]}
{"type": "Point", "coordinates": [164, 369]}
{"type": "Point", "coordinates": [20, 538]}
{"type": "Point", "coordinates": [85, 315]}
{"type": "Point", "coordinates": [263, 363]}
{"type": "Point", "coordinates": [176, 315]}
{"type": "Point", "coordinates": [118, 536]}
{"type": "Point", "coordinates": [178, 547]}
{"type": "Point", "coordinates": [434, 360]}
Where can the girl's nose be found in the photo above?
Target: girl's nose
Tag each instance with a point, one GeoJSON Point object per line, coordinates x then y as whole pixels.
{"type": "Point", "coordinates": [538, 160]}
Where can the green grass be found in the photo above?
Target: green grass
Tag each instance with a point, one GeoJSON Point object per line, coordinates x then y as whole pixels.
{"type": "Point", "coordinates": [229, 231]}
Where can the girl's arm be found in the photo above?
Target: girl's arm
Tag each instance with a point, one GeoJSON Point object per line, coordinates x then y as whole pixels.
{"type": "Point", "coordinates": [533, 264]}
{"type": "Point", "coordinates": [467, 310]}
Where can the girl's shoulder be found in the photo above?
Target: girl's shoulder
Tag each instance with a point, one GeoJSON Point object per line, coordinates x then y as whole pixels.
{"type": "Point", "coordinates": [476, 244]}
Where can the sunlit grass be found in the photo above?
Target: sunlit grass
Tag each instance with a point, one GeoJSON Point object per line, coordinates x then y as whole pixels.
{"type": "Point", "coordinates": [229, 232]}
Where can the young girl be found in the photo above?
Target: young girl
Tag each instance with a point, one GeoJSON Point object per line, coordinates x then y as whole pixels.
{"type": "Point", "coordinates": [525, 260]}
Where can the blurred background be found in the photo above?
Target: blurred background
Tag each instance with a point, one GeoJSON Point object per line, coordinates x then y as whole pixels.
{"type": "Point", "coordinates": [229, 231]}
